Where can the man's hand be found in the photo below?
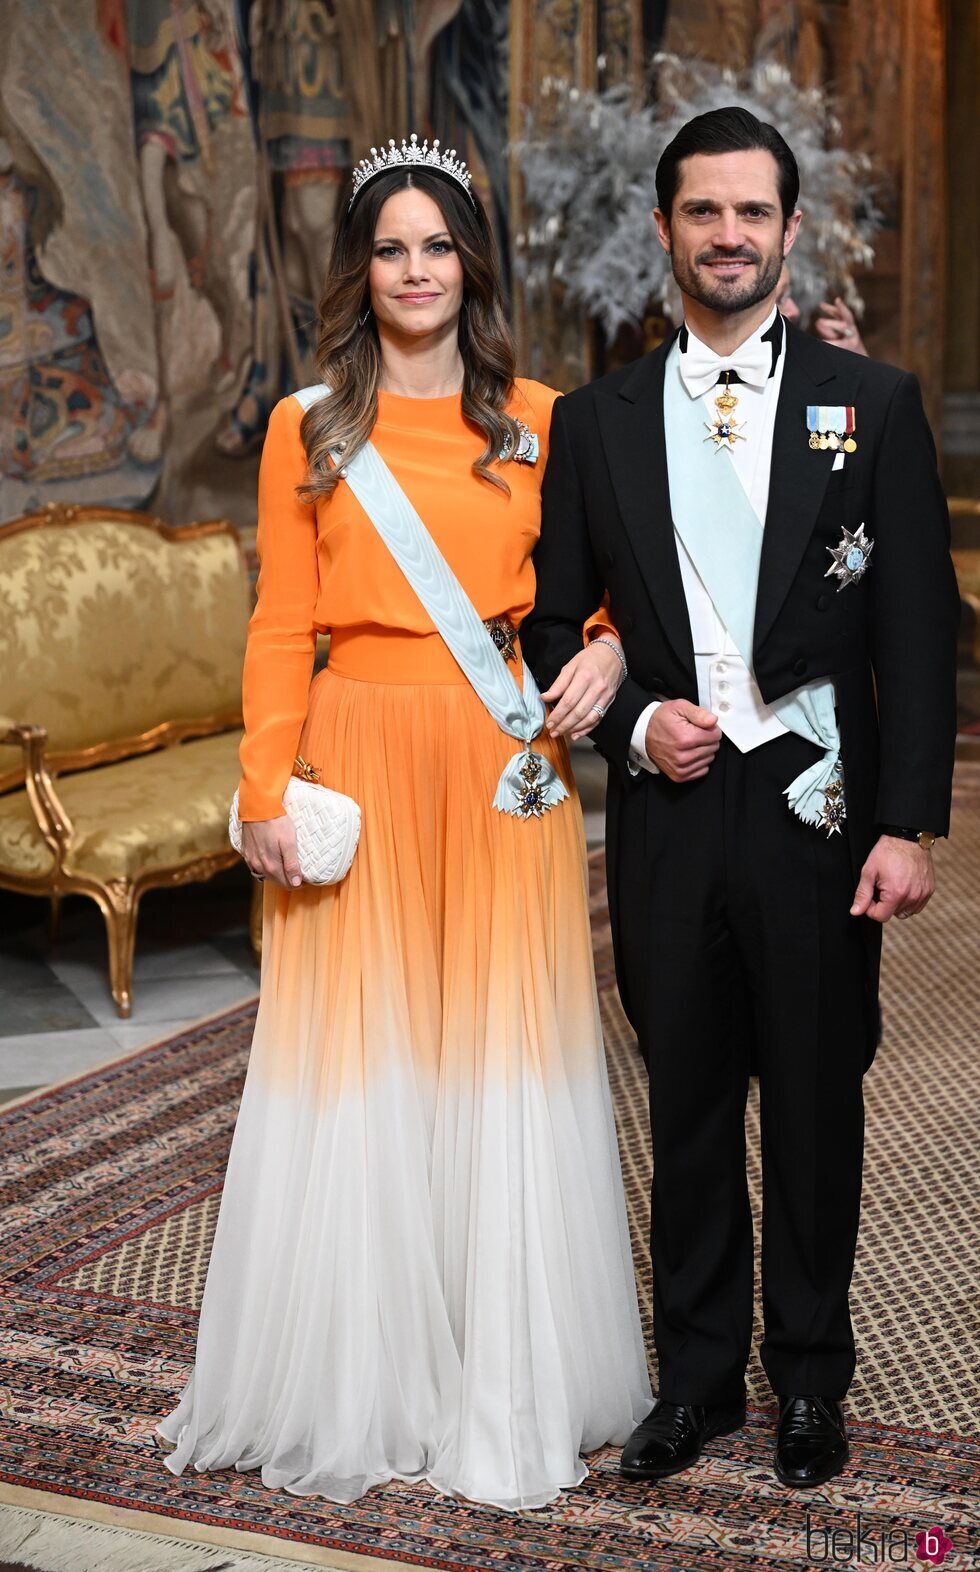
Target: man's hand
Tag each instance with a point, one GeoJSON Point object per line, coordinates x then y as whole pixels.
{"type": "Point", "coordinates": [682, 739]}
{"type": "Point", "coordinates": [897, 880]}
{"type": "Point", "coordinates": [591, 677]}
{"type": "Point", "coordinates": [269, 849]}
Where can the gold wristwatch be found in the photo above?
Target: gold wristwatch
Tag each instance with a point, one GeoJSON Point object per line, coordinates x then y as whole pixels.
{"type": "Point", "coordinates": [924, 838]}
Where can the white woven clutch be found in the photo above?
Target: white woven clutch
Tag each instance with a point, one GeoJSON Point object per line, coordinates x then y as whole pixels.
{"type": "Point", "coordinates": [327, 826]}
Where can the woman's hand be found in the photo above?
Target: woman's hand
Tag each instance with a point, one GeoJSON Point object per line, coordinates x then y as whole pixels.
{"type": "Point", "coordinates": [269, 849]}
{"type": "Point", "coordinates": [835, 324]}
{"type": "Point", "coordinates": [590, 678]}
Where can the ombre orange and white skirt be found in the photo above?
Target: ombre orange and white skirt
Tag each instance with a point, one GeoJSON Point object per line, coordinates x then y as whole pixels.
{"type": "Point", "coordinates": [421, 1268]}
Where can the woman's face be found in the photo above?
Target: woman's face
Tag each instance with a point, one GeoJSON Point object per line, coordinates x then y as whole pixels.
{"type": "Point", "coordinates": [416, 277]}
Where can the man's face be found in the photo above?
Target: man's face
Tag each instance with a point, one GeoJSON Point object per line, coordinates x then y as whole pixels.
{"type": "Point", "coordinates": [725, 234]}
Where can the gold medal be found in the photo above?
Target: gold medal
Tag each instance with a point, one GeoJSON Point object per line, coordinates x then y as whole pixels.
{"type": "Point", "coordinates": [814, 440]}
{"type": "Point", "coordinates": [850, 446]}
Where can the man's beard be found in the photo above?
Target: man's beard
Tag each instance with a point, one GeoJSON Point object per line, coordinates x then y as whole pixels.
{"type": "Point", "coordinates": [730, 297]}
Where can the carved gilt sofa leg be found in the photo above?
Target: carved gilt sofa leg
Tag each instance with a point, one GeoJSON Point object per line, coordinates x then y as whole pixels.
{"type": "Point", "coordinates": [120, 921]}
{"type": "Point", "coordinates": [54, 915]}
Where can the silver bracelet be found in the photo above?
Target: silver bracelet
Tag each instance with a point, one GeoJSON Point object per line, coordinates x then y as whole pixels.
{"type": "Point", "coordinates": [616, 651]}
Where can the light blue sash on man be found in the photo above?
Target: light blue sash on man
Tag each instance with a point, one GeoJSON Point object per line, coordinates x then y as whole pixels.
{"type": "Point", "coordinates": [529, 784]}
{"type": "Point", "coordinates": [723, 536]}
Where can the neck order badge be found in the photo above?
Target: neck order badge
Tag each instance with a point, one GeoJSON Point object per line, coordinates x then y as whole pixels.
{"type": "Point", "coordinates": [723, 430]}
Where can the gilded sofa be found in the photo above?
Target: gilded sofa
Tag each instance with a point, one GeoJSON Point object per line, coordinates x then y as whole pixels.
{"type": "Point", "coordinates": [121, 646]}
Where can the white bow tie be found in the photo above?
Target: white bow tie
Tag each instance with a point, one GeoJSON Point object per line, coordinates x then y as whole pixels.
{"type": "Point", "coordinates": [701, 368]}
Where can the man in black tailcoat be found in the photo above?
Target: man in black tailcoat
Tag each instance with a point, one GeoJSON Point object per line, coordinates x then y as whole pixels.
{"type": "Point", "coordinates": [747, 930]}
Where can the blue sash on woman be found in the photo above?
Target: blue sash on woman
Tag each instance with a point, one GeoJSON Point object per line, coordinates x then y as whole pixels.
{"type": "Point", "coordinates": [529, 785]}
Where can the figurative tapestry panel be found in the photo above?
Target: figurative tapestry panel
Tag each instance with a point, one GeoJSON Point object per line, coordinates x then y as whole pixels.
{"type": "Point", "coordinates": [171, 170]}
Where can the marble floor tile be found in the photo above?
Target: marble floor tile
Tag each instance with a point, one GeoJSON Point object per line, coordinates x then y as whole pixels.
{"type": "Point", "coordinates": [181, 960]}
{"type": "Point", "coordinates": [237, 948]}
{"type": "Point", "coordinates": [157, 998]}
{"type": "Point", "coordinates": [39, 1058]}
{"type": "Point", "coordinates": [22, 965]}
{"type": "Point", "coordinates": [140, 1036]}
{"type": "Point", "coordinates": [47, 1007]}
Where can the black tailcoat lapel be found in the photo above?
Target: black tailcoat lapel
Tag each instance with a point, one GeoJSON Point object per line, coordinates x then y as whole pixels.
{"type": "Point", "coordinates": [631, 422]}
{"type": "Point", "coordinates": [799, 474]}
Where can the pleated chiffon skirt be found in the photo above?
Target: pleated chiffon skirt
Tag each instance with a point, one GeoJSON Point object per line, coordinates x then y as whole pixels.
{"type": "Point", "coordinates": [421, 1268]}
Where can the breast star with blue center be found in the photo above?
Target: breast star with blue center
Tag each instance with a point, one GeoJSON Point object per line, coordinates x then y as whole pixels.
{"type": "Point", "coordinates": [850, 558]}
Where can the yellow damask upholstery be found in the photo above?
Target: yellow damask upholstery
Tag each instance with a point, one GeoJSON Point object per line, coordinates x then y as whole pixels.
{"type": "Point", "coordinates": [23, 850]}
{"type": "Point", "coordinates": [121, 648]}
{"type": "Point", "coordinates": [109, 628]}
{"type": "Point", "coordinates": [144, 814]}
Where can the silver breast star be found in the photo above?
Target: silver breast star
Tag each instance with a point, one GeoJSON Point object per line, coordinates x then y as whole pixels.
{"type": "Point", "coordinates": [850, 558]}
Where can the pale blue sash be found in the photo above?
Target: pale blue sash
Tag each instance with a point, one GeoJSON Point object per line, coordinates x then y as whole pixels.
{"type": "Point", "coordinates": [723, 537]}
{"type": "Point", "coordinates": [529, 783]}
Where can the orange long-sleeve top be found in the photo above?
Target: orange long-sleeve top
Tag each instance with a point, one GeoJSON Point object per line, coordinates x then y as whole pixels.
{"type": "Point", "coordinates": [324, 566]}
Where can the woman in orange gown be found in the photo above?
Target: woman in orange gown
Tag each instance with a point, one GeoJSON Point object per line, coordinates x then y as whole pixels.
{"type": "Point", "coordinates": [421, 1268]}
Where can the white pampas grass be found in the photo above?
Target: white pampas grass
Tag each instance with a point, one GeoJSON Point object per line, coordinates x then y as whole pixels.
{"type": "Point", "coordinates": [589, 163]}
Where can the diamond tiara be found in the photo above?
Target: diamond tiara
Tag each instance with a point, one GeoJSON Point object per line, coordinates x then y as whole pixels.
{"type": "Point", "coordinates": [411, 154]}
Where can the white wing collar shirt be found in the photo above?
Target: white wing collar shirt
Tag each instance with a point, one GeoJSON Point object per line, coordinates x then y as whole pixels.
{"type": "Point", "coordinates": [726, 685]}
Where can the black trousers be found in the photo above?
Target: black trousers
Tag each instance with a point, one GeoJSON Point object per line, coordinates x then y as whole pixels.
{"type": "Point", "coordinates": [735, 947]}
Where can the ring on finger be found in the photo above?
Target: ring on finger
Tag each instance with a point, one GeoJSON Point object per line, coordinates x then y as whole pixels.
{"type": "Point", "coordinates": [598, 710]}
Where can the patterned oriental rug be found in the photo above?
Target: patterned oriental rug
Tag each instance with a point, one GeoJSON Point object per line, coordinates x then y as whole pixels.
{"type": "Point", "coordinates": [109, 1189]}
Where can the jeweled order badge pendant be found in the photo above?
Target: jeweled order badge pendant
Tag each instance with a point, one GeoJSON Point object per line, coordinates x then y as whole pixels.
{"type": "Point", "coordinates": [834, 811]}
{"type": "Point", "coordinates": [530, 800]}
{"type": "Point", "coordinates": [850, 558]}
{"type": "Point", "coordinates": [723, 430]}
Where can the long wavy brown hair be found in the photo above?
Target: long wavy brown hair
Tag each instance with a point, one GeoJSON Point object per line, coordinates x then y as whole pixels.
{"type": "Point", "coordinates": [348, 352]}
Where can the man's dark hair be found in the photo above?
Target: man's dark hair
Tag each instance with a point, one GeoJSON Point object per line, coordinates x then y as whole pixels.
{"type": "Point", "coordinates": [731, 130]}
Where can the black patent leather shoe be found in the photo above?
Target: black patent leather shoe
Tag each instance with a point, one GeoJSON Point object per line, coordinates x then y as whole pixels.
{"type": "Point", "coordinates": [671, 1437]}
{"type": "Point", "coordinates": [811, 1442]}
